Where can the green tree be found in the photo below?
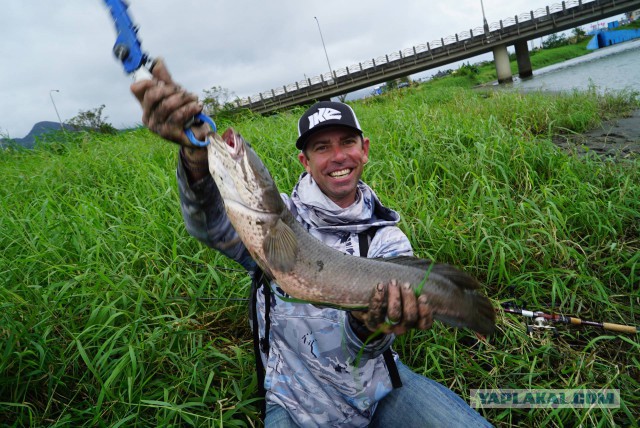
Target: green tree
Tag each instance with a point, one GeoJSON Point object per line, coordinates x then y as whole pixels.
{"type": "Point", "coordinates": [92, 120]}
{"type": "Point", "coordinates": [396, 83]}
{"type": "Point", "coordinates": [554, 41]}
{"type": "Point", "coordinates": [389, 85]}
{"type": "Point", "coordinates": [579, 34]}
{"type": "Point", "coordinates": [217, 99]}
{"type": "Point", "coordinates": [467, 69]}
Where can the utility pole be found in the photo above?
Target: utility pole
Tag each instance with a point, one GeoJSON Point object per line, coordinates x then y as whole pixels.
{"type": "Point", "coordinates": [55, 108]}
{"type": "Point", "coordinates": [324, 47]}
{"type": "Point", "coordinates": [484, 19]}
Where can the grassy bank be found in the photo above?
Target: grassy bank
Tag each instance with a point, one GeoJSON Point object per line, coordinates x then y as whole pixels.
{"type": "Point", "coordinates": [111, 315]}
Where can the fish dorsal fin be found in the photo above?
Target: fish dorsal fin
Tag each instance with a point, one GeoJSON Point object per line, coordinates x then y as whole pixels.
{"type": "Point", "coordinates": [456, 276]}
{"type": "Point", "coordinates": [280, 247]}
{"type": "Point", "coordinates": [408, 261]}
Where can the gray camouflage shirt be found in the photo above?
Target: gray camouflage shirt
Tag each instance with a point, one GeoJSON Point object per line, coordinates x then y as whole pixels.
{"type": "Point", "coordinates": [317, 368]}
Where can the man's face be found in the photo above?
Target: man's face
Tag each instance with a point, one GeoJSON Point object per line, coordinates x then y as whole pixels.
{"type": "Point", "coordinates": [335, 157]}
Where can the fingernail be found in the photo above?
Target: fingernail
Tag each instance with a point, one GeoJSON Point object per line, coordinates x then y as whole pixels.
{"type": "Point", "coordinates": [380, 287]}
{"type": "Point", "coordinates": [406, 286]}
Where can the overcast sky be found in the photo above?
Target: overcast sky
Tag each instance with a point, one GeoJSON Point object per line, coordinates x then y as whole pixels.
{"type": "Point", "coordinates": [241, 45]}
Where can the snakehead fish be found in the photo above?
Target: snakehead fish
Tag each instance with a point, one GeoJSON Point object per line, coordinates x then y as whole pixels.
{"type": "Point", "coordinates": [309, 270]}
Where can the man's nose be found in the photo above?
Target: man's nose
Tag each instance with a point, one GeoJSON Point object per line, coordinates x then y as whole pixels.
{"type": "Point", "coordinates": [339, 153]}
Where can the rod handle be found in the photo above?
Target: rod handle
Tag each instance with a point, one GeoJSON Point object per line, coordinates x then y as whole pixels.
{"type": "Point", "coordinates": [619, 327]}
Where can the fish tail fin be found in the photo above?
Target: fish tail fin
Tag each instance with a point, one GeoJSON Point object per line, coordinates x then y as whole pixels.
{"type": "Point", "coordinates": [475, 312]}
{"type": "Point", "coordinates": [465, 306]}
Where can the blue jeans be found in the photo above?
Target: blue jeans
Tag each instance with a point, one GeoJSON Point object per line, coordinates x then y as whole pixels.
{"type": "Point", "coordinates": [421, 402]}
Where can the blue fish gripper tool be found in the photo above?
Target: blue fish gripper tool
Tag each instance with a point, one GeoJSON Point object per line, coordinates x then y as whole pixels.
{"type": "Point", "coordinates": [139, 65]}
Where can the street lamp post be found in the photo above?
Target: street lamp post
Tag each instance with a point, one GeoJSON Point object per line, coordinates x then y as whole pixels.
{"type": "Point", "coordinates": [324, 47]}
{"type": "Point", "coordinates": [55, 108]}
{"type": "Point", "coordinates": [484, 19]}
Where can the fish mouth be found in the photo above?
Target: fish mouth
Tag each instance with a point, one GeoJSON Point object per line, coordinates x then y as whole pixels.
{"type": "Point", "coordinates": [233, 143]}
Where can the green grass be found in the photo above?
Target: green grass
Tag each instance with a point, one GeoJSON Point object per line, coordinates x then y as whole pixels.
{"type": "Point", "coordinates": [102, 317]}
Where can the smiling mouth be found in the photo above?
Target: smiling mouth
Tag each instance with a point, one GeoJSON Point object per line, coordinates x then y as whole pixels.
{"type": "Point", "coordinates": [340, 174]}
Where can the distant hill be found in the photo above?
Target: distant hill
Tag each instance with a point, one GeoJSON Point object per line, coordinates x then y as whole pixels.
{"type": "Point", "coordinates": [38, 130]}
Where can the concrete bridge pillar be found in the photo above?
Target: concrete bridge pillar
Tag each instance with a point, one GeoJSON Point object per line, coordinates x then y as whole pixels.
{"type": "Point", "coordinates": [503, 68]}
{"type": "Point", "coordinates": [524, 61]}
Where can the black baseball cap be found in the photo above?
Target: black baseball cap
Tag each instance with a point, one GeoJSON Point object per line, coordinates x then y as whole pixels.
{"type": "Point", "coordinates": [324, 114]}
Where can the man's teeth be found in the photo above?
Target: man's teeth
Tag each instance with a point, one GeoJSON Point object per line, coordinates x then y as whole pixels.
{"type": "Point", "coordinates": [340, 173]}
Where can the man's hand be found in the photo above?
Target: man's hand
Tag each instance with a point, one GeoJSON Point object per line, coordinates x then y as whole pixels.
{"type": "Point", "coordinates": [394, 308]}
{"type": "Point", "coordinates": [166, 107]}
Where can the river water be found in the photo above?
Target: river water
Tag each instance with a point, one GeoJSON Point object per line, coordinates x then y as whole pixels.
{"type": "Point", "coordinates": [615, 67]}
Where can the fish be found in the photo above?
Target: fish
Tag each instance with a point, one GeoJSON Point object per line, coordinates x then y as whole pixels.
{"type": "Point", "coordinates": [309, 270]}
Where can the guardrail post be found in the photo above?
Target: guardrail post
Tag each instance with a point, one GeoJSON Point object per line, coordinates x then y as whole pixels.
{"type": "Point", "coordinates": [564, 7]}
{"type": "Point", "coordinates": [360, 64]}
{"type": "Point", "coordinates": [502, 25]}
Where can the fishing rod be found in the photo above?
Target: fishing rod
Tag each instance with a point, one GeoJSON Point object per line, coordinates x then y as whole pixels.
{"type": "Point", "coordinates": [542, 320]}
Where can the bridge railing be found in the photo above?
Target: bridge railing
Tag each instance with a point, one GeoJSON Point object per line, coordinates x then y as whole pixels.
{"type": "Point", "coordinates": [537, 15]}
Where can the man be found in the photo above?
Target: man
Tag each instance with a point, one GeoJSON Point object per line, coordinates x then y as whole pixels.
{"type": "Point", "coordinates": [324, 367]}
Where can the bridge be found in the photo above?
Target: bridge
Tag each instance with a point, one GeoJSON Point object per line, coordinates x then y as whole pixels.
{"type": "Point", "coordinates": [516, 31]}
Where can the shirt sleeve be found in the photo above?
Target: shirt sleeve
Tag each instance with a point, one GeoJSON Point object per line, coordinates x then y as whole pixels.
{"type": "Point", "coordinates": [205, 218]}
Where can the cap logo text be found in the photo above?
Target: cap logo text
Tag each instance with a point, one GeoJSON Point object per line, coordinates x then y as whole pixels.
{"type": "Point", "coordinates": [322, 115]}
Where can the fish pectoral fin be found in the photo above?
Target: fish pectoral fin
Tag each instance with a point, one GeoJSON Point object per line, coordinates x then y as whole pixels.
{"type": "Point", "coordinates": [281, 247]}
